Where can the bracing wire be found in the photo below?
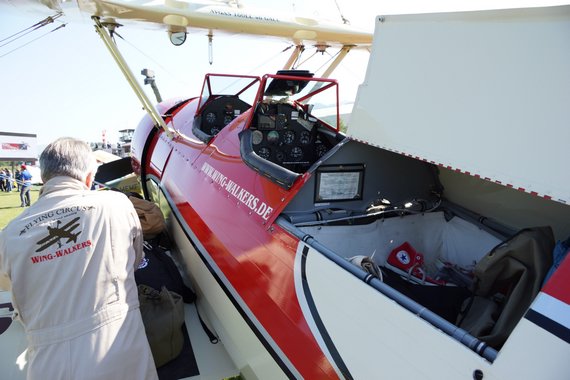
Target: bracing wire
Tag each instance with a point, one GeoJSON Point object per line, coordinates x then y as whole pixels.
{"type": "Point", "coordinates": [20, 34]}
{"type": "Point", "coordinates": [155, 62]}
{"type": "Point", "coordinates": [332, 56]}
{"type": "Point", "coordinates": [137, 49]}
{"type": "Point", "coordinates": [328, 60]}
{"type": "Point", "coordinates": [35, 39]}
{"type": "Point", "coordinates": [23, 32]}
{"type": "Point", "coordinates": [306, 59]}
{"type": "Point", "coordinates": [255, 69]}
{"type": "Point", "coordinates": [344, 19]}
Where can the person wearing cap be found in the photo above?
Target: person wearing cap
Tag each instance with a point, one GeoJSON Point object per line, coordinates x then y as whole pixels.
{"type": "Point", "coordinates": [25, 186]}
{"type": "Point", "coordinates": [69, 261]}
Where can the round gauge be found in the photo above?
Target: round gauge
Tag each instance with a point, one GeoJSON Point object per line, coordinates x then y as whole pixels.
{"type": "Point", "coordinates": [288, 137]}
{"type": "Point", "coordinates": [280, 156]}
{"type": "Point", "coordinates": [273, 137]}
{"type": "Point", "coordinates": [214, 130]}
{"type": "Point", "coordinates": [228, 119]}
{"type": "Point", "coordinates": [257, 137]}
{"type": "Point", "coordinates": [210, 118]}
{"type": "Point", "coordinates": [296, 153]}
{"type": "Point", "coordinates": [320, 150]}
{"type": "Point", "coordinates": [264, 152]}
{"type": "Point", "coordinates": [305, 137]}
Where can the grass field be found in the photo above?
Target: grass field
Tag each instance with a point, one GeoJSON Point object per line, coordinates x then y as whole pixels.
{"type": "Point", "coordinates": [10, 205]}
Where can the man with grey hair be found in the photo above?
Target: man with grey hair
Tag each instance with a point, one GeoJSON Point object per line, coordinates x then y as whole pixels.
{"type": "Point", "coordinates": [69, 261]}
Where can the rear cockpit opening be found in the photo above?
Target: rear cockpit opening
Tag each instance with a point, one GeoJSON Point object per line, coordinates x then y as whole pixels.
{"type": "Point", "coordinates": [283, 133]}
{"type": "Point", "coordinates": [285, 138]}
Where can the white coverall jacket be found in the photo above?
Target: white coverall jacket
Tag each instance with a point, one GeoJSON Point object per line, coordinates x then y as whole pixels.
{"type": "Point", "coordinates": [70, 260]}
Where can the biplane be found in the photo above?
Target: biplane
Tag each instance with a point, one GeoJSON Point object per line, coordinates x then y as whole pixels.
{"type": "Point", "coordinates": [380, 252]}
{"type": "Point", "coordinates": [55, 234]}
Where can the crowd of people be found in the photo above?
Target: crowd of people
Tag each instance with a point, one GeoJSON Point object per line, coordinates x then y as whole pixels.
{"type": "Point", "coordinates": [7, 181]}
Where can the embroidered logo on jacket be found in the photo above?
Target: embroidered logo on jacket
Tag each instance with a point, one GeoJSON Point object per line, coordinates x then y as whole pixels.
{"type": "Point", "coordinates": [56, 234]}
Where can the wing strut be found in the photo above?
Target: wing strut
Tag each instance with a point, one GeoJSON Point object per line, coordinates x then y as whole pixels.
{"type": "Point", "coordinates": [334, 64]}
{"type": "Point", "coordinates": [146, 103]}
{"type": "Point", "coordinates": [294, 56]}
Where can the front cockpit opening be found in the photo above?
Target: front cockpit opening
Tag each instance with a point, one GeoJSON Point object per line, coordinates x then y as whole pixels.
{"type": "Point", "coordinates": [223, 99]}
{"type": "Point", "coordinates": [389, 216]}
{"type": "Point", "coordinates": [216, 114]}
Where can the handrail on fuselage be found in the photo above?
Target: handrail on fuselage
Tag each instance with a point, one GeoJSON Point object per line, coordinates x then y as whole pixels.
{"type": "Point", "coordinates": [450, 329]}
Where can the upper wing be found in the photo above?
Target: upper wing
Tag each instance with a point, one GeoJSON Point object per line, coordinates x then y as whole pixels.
{"type": "Point", "coordinates": [212, 16]}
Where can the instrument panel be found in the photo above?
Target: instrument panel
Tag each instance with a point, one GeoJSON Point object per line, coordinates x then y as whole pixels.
{"type": "Point", "coordinates": [220, 112]}
{"type": "Point", "coordinates": [288, 136]}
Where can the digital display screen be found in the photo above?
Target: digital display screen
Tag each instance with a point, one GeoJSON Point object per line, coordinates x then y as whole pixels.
{"type": "Point", "coordinates": [339, 183]}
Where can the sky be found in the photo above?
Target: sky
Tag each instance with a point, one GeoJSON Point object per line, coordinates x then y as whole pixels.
{"type": "Point", "coordinates": [65, 83]}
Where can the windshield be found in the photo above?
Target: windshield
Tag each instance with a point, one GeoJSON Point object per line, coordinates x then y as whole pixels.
{"type": "Point", "coordinates": [242, 86]}
{"type": "Point", "coordinates": [317, 96]}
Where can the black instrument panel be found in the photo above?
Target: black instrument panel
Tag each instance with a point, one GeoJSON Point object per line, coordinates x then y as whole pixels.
{"type": "Point", "coordinates": [219, 112]}
{"type": "Point", "coordinates": [288, 137]}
